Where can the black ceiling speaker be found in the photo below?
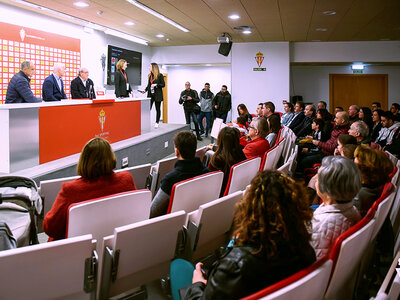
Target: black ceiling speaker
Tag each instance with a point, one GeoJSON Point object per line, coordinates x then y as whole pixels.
{"type": "Point", "coordinates": [225, 48]}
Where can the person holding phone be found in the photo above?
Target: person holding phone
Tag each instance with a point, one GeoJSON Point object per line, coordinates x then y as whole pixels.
{"type": "Point", "coordinates": [122, 86]}
{"type": "Point", "coordinates": [154, 88]}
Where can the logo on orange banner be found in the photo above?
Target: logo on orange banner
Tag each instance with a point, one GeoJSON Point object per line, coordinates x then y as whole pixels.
{"type": "Point", "coordinates": [102, 119]}
{"type": "Point", "coordinates": [259, 60]}
{"type": "Point", "coordinates": [22, 34]}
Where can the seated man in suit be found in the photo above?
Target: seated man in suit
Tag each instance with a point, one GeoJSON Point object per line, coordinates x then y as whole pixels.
{"type": "Point", "coordinates": [298, 115]}
{"type": "Point", "coordinates": [82, 86]}
{"type": "Point", "coordinates": [187, 166]}
{"type": "Point", "coordinates": [53, 86]}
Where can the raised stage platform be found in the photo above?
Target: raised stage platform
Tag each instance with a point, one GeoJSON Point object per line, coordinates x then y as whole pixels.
{"type": "Point", "coordinates": [145, 148]}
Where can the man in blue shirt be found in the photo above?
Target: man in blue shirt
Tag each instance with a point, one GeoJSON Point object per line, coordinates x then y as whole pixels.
{"type": "Point", "coordinates": [19, 89]}
{"type": "Point", "coordinates": [53, 86]}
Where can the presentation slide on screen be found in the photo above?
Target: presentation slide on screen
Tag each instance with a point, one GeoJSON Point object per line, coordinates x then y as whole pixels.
{"type": "Point", "coordinates": [20, 43]}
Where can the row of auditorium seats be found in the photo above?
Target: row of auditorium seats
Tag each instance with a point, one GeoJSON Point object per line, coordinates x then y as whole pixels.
{"type": "Point", "coordinates": [134, 250]}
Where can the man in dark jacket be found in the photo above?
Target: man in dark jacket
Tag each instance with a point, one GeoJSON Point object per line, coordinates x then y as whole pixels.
{"type": "Point", "coordinates": [298, 115]}
{"type": "Point", "coordinates": [189, 98]}
{"type": "Point", "coordinates": [82, 87]}
{"type": "Point", "coordinates": [222, 103]}
{"type": "Point", "coordinates": [19, 89]}
{"type": "Point", "coordinates": [304, 128]}
{"type": "Point", "coordinates": [187, 166]}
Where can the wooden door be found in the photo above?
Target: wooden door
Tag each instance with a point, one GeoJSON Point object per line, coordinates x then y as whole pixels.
{"type": "Point", "coordinates": [165, 101]}
{"type": "Point", "coordinates": [359, 89]}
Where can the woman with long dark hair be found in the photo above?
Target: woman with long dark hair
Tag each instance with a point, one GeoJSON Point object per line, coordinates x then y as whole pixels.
{"type": "Point", "coordinates": [228, 152]}
{"type": "Point", "coordinates": [365, 114]}
{"type": "Point", "coordinates": [243, 111]}
{"type": "Point", "coordinates": [271, 241]}
{"type": "Point", "coordinates": [154, 87]}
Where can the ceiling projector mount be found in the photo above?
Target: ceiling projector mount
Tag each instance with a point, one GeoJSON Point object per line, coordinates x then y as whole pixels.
{"type": "Point", "coordinates": [225, 38]}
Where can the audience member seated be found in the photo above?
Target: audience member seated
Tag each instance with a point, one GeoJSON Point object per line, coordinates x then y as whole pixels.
{"type": "Point", "coordinates": [243, 111]}
{"type": "Point", "coordinates": [259, 110]}
{"type": "Point", "coordinates": [338, 181]}
{"type": "Point", "coordinates": [187, 166]}
{"type": "Point", "coordinates": [317, 134]}
{"type": "Point", "coordinates": [298, 115]}
{"type": "Point", "coordinates": [328, 147]}
{"type": "Point", "coordinates": [241, 124]}
{"type": "Point", "coordinates": [359, 129]}
{"type": "Point", "coordinates": [328, 119]}
{"type": "Point", "coordinates": [304, 128]}
{"type": "Point", "coordinates": [95, 167]}
{"type": "Point", "coordinates": [288, 115]}
{"type": "Point", "coordinates": [394, 109]}
{"type": "Point", "coordinates": [389, 135]}
{"type": "Point", "coordinates": [353, 113]}
{"type": "Point", "coordinates": [271, 241]}
{"type": "Point", "coordinates": [338, 109]}
{"type": "Point", "coordinates": [269, 109]}
{"type": "Point", "coordinates": [365, 114]}
{"type": "Point", "coordinates": [228, 152]}
{"type": "Point", "coordinates": [375, 168]}
{"type": "Point", "coordinates": [375, 106]}
{"type": "Point", "coordinates": [376, 128]}
{"type": "Point", "coordinates": [255, 144]}
{"type": "Point", "coordinates": [347, 144]}
{"type": "Point", "coordinates": [274, 124]}
{"type": "Point", "coordinates": [322, 105]}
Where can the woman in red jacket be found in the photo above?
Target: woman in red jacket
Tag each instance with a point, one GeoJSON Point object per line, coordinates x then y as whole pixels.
{"type": "Point", "coordinates": [98, 179]}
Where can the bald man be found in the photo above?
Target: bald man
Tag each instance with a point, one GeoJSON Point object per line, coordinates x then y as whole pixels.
{"type": "Point", "coordinates": [82, 86]}
{"type": "Point", "coordinates": [53, 86]}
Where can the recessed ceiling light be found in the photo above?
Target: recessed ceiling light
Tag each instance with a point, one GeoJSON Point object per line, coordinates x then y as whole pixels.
{"type": "Point", "coordinates": [329, 12]}
{"type": "Point", "coordinates": [208, 65]}
{"type": "Point", "coordinates": [160, 35]}
{"type": "Point", "coordinates": [321, 29]}
{"type": "Point", "coordinates": [129, 23]}
{"type": "Point", "coordinates": [234, 17]}
{"type": "Point", "coordinates": [246, 31]}
{"type": "Point", "coordinates": [81, 4]}
{"type": "Point", "coordinates": [167, 39]}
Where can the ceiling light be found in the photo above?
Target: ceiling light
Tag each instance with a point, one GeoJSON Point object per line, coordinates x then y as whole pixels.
{"type": "Point", "coordinates": [88, 29]}
{"type": "Point", "coordinates": [129, 23]}
{"type": "Point", "coordinates": [357, 67]}
{"type": "Point", "coordinates": [156, 14]}
{"type": "Point", "coordinates": [208, 65]}
{"type": "Point", "coordinates": [329, 13]}
{"type": "Point", "coordinates": [160, 35]}
{"type": "Point", "coordinates": [81, 4]}
{"type": "Point", "coordinates": [234, 17]}
{"type": "Point", "coordinates": [167, 39]}
{"type": "Point", "coordinates": [321, 29]}
{"type": "Point", "coordinates": [246, 31]}
{"type": "Point", "coordinates": [125, 36]}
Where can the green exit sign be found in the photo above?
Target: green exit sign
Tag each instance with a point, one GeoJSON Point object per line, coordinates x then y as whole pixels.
{"type": "Point", "coordinates": [358, 71]}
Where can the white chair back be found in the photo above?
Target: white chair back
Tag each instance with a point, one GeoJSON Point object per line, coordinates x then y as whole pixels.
{"type": "Point", "coordinates": [139, 174]}
{"type": "Point", "coordinates": [189, 194]}
{"type": "Point", "coordinates": [53, 270]}
{"type": "Point", "coordinates": [139, 253]}
{"type": "Point", "coordinates": [201, 152]}
{"type": "Point", "coordinates": [99, 217]}
{"type": "Point", "coordinates": [272, 158]}
{"type": "Point", "coordinates": [161, 169]}
{"type": "Point", "coordinates": [390, 287]}
{"type": "Point", "coordinates": [381, 213]}
{"type": "Point", "coordinates": [241, 175]}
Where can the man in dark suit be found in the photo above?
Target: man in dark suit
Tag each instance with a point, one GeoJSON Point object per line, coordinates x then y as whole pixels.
{"type": "Point", "coordinates": [298, 115]}
{"type": "Point", "coordinates": [53, 86]}
{"type": "Point", "coordinates": [82, 86]}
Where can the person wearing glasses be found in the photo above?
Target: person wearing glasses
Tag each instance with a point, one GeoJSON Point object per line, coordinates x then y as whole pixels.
{"type": "Point", "coordinates": [82, 86]}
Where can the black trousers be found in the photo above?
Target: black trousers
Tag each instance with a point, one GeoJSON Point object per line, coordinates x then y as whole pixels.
{"type": "Point", "coordinates": [158, 108]}
{"type": "Point", "coordinates": [188, 114]}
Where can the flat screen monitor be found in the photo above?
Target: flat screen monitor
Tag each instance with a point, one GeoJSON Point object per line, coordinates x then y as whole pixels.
{"type": "Point", "coordinates": [134, 59]}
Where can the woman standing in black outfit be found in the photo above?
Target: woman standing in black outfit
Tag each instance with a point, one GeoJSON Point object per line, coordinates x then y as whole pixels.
{"type": "Point", "coordinates": [122, 86]}
{"type": "Point", "coordinates": [154, 89]}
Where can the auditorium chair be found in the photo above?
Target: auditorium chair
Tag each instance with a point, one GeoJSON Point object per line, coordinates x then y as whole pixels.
{"type": "Point", "coordinates": [139, 174]}
{"type": "Point", "coordinates": [208, 226]}
{"type": "Point", "coordinates": [390, 288]}
{"type": "Point", "coordinates": [271, 157]}
{"type": "Point", "coordinates": [241, 175]}
{"type": "Point", "coordinates": [139, 253]}
{"type": "Point", "coordinates": [161, 169]}
{"type": "Point", "coordinates": [189, 194]}
{"type": "Point", "coordinates": [201, 152]}
{"type": "Point", "coordinates": [307, 284]}
{"type": "Point", "coordinates": [63, 269]}
{"type": "Point", "coordinates": [392, 157]}
{"type": "Point", "coordinates": [285, 168]}
{"type": "Point", "coordinates": [100, 216]}
{"type": "Point", "coordinates": [346, 254]}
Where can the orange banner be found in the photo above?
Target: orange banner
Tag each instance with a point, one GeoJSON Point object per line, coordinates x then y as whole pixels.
{"type": "Point", "coordinates": [64, 130]}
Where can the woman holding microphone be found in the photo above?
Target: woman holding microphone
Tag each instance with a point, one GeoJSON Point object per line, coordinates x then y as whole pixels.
{"type": "Point", "coordinates": [154, 90]}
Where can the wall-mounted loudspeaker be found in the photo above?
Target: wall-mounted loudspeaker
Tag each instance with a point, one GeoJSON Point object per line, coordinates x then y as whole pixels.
{"type": "Point", "coordinates": [225, 48]}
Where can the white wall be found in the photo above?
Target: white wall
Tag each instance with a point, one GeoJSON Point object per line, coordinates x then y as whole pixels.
{"type": "Point", "coordinates": [312, 82]}
{"type": "Point", "coordinates": [252, 87]}
{"type": "Point", "coordinates": [197, 76]}
{"type": "Point", "coordinates": [383, 51]}
{"type": "Point", "coordinates": [92, 45]}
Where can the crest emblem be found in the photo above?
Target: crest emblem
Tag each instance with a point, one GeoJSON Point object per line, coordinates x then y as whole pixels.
{"type": "Point", "coordinates": [102, 119]}
{"type": "Point", "coordinates": [259, 59]}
